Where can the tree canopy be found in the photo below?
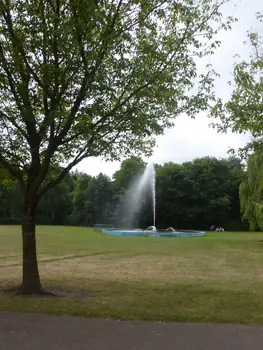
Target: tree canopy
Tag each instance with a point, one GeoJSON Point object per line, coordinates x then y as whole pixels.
{"type": "Point", "coordinates": [92, 78]}
{"type": "Point", "coordinates": [192, 195]}
{"type": "Point", "coordinates": [244, 111]}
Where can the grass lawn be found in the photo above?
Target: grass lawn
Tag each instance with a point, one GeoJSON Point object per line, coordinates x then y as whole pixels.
{"type": "Point", "coordinates": [214, 278]}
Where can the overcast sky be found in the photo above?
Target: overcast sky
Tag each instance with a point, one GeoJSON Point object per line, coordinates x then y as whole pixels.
{"type": "Point", "coordinates": [189, 138]}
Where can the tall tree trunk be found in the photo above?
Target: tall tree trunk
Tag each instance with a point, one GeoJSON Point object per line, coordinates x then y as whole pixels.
{"type": "Point", "coordinates": [31, 280]}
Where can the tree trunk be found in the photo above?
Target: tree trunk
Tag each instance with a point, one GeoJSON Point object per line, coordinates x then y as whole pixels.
{"type": "Point", "coordinates": [31, 280]}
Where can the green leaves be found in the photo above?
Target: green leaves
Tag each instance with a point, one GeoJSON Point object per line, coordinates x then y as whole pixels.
{"type": "Point", "coordinates": [89, 78]}
{"type": "Point", "coordinates": [199, 193]}
{"type": "Point", "coordinates": [251, 192]}
{"type": "Point", "coordinates": [244, 111]}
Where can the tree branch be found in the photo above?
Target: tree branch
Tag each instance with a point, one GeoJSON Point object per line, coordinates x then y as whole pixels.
{"type": "Point", "coordinates": [12, 121]}
{"type": "Point", "coordinates": [161, 68]}
{"type": "Point", "coordinates": [17, 45]}
{"type": "Point", "coordinates": [44, 53]}
{"type": "Point", "coordinates": [141, 20]}
{"type": "Point", "coordinates": [88, 78]}
{"type": "Point", "coordinates": [65, 171]}
{"type": "Point", "coordinates": [14, 171]}
{"type": "Point", "coordinates": [10, 79]}
{"type": "Point", "coordinates": [23, 95]}
{"type": "Point", "coordinates": [80, 156]}
{"type": "Point", "coordinates": [79, 37]}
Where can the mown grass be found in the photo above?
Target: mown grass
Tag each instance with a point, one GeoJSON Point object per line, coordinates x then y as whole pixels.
{"type": "Point", "coordinates": [214, 278]}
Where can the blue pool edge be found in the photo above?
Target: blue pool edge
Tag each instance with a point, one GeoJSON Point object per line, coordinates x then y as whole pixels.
{"type": "Point", "coordinates": [126, 233]}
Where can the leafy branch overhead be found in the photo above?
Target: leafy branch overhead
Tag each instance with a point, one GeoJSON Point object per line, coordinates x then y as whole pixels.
{"type": "Point", "coordinates": [89, 78]}
{"type": "Point", "coordinates": [244, 111]}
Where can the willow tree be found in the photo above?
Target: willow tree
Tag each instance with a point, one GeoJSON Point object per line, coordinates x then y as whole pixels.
{"type": "Point", "coordinates": [251, 192]}
{"type": "Point", "coordinates": [94, 78]}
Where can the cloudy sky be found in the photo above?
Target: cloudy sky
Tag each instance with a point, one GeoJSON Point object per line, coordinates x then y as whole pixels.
{"type": "Point", "coordinates": [189, 138]}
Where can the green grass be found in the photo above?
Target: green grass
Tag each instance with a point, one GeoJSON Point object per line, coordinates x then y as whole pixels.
{"type": "Point", "coordinates": [214, 278]}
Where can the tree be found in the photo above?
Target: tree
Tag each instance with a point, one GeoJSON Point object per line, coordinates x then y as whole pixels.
{"type": "Point", "coordinates": [55, 206]}
{"type": "Point", "coordinates": [199, 193]}
{"type": "Point", "coordinates": [251, 192]}
{"type": "Point", "coordinates": [98, 205]}
{"type": "Point", "coordinates": [130, 168]}
{"type": "Point", "coordinates": [244, 111]}
{"type": "Point", "coordinates": [79, 198]}
{"type": "Point", "coordinates": [191, 195]}
{"type": "Point", "coordinates": [89, 78]}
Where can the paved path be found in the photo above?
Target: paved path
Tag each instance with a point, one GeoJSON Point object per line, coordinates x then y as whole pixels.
{"type": "Point", "coordinates": [39, 332]}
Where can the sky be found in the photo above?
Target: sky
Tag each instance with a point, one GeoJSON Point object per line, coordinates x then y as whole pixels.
{"type": "Point", "coordinates": [193, 138]}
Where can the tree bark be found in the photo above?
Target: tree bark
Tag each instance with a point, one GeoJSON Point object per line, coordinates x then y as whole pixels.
{"type": "Point", "coordinates": [31, 281]}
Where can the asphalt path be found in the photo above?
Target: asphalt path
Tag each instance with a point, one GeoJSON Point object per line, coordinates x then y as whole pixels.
{"type": "Point", "coordinates": [43, 332]}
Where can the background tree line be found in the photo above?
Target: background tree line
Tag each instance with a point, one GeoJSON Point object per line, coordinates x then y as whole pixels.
{"type": "Point", "coordinates": [194, 194]}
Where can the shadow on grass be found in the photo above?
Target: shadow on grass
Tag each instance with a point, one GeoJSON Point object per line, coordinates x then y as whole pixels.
{"type": "Point", "coordinates": [146, 301]}
{"type": "Point", "coordinates": [68, 257]}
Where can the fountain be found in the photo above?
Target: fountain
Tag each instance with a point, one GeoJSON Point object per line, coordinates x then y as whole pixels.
{"type": "Point", "coordinates": [136, 197]}
{"type": "Point", "coordinates": [134, 200]}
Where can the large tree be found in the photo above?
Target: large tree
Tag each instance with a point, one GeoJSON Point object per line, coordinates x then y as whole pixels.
{"type": "Point", "coordinates": [89, 78]}
{"type": "Point", "coordinates": [244, 110]}
{"type": "Point", "coordinates": [99, 202]}
{"type": "Point", "coordinates": [251, 192]}
{"type": "Point", "coordinates": [79, 198]}
{"type": "Point", "coordinates": [199, 193]}
{"type": "Point", "coordinates": [129, 170]}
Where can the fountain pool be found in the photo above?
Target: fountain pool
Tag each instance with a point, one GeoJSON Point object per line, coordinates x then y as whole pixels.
{"type": "Point", "coordinates": [152, 233]}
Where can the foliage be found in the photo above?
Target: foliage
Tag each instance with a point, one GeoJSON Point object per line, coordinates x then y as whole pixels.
{"type": "Point", "coordinates": [244, 111]}
{"type": "Point", "coordinates": [79, 197]}
{"type": "Point", "coordinates": [200, 193]}
{"type": "Point", "coordinates": [88, 78]}
{"type": "Point", "coordinates": [55, 207]}
{"type": "Point", "coordinates": [251, 192]}
{"type": "Point", "coordinates": [98, 205]}
{"type": "Point", "coordinates": [130, 168]}
{"type": "Point", "coordinates": [191, 195]}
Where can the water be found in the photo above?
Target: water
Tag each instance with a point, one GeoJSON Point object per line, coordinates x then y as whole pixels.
{"type": "Point", "coordinates": [148, 179]}
{"type": "Point", "coordinates": [134, 200]}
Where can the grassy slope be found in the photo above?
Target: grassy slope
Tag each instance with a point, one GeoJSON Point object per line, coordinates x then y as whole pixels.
{"type": "Point", "coordinates": [214, 278]}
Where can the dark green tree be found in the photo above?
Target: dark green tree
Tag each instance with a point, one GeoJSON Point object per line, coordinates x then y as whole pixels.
{"type": "Point", "coordinates": [93, 78]}
{"type": "Point", "coordinates": [79, 197]}
{"type": "Point", "coordinates": [199, 194]}
{"type": "Point", "coordinates": [55, 206]}
{"type": "Point", "coordinates": [129, 170]}
{"type": "Point", "coordinates": [251, 192]}
{"type": "Point", "coordinates": [99, 202]}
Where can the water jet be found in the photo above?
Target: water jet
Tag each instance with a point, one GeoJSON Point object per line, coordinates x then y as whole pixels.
{"type": "Point", "coordinates": [134, 200]}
